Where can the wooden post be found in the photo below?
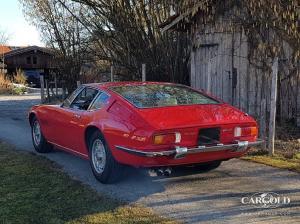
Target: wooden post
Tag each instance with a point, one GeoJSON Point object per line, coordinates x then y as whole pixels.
{"type": "Point", "coordinates": [42, 89]}
{"type": "Point", "coordinates": [55, 84]}
{"type": "Point", "coordinates": [78, 83]}
{"type": "Point", "coordinates": [263, 121]}
{"type": "Point", "coordinates": [208, 84]}
{"type": "Point", "coordinates": [143, 72]}
{"type": "Point", "coordinates": [47, 91]}
{"type": "Point", "coordinates": [63, 92]}
{"type": "Point", "coordinates": [298, 99]}
{"type": "Point", "coordinates": [112, 73]}
{"type": "Point", "coordinates": [273, 107]}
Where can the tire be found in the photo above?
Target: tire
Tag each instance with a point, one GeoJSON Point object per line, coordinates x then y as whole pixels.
{"type": "Point", "coordinates": [105, 168]}
{"type": "Point", "coordinates": [40, 143]}
{"type": "Point", "coordinates": [206, 167]}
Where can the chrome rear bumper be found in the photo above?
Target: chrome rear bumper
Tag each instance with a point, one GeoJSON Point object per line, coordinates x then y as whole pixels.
{"type": "Point", "coordinates": [180, 152]}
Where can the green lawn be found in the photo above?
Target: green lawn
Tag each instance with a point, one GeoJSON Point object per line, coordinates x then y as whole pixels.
{"type": "Point", "coordinates": [35, 190]}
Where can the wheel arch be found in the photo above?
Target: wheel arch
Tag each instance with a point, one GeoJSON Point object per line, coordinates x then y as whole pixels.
{"type": "Point", "coordinates": [88, 132]}
{"type": "Point", "coordinates": [31, 116]}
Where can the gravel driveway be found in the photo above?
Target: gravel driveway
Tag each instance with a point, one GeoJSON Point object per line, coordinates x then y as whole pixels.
{"type": "Point", "coordinates": [188, 195]}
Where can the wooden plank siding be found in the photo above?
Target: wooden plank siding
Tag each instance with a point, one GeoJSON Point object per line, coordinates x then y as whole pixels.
{"type": "Point", "coordinates": [227, 51]}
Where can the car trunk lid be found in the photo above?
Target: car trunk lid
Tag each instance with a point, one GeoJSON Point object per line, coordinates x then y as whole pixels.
{"type": "Point", "coordinates": [194, 115]}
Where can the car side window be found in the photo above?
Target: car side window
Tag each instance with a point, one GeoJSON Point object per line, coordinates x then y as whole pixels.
{"type": "Point", "coordinates": [84, 99]}
{"type": "Point", "coordinates": [100, 101]}
{"type": "Point", "coordinates": [67, 102]}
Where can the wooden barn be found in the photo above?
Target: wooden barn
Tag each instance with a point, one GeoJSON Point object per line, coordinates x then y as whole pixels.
{"type": "Point", "coordinates": [219, 64]}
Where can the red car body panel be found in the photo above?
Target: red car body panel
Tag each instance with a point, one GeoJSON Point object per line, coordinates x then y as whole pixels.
{"type": "Point", "coordinates": [125, 125]}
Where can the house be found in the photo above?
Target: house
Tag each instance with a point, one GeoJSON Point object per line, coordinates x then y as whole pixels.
{"type": "Point", "coordinates": [33, 60]}
{"type": "Point", "coordinates": [219, 64]}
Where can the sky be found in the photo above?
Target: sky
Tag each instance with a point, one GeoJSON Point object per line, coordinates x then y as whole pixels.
{"type": "Point", "coordinates": [13, 22]}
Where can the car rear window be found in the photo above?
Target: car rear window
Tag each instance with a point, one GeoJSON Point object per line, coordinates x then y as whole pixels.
{"type": "Point", "coordinates": [158, 95]}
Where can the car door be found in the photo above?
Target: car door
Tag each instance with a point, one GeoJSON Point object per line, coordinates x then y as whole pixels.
{"type": "Point", "coordinates": [68, 121]}
{"type": "Point", "coordinates": [52, 117]}
{"type": "Point", "coordinates": [94, 115]}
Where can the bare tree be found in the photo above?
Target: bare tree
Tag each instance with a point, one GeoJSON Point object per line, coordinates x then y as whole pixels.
{"type": "Point", "coordinates": [62, 32]}
{"type": "Point", "coordinates": [125, 33]}
{"type": "Point", "coordinates": [128, 34]}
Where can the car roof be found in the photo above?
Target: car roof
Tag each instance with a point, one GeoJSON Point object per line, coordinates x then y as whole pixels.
{"type": "Point", "coordinates": [107, 85]}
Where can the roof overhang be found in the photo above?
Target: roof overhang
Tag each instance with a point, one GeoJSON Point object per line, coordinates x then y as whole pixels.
{"type": "Point", "coordinates": [180, 22]}
{"type": "Point", "coordinates": [27, 49]}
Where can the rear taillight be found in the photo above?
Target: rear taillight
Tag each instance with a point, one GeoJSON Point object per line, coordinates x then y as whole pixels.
{"type": "Point", "coordinates": [165, 139]}
{"type": "Point", "coordinates": [245, 131]}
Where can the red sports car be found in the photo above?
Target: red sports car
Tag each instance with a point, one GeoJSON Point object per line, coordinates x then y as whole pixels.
{"type": "Point", "coordinates": [143, 124]}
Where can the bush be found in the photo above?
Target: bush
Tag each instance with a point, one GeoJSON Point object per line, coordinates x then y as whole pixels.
{"type": "Point", "coordinates": [7, 87]}
{"type": "Point", "coordinates": [19, 90]}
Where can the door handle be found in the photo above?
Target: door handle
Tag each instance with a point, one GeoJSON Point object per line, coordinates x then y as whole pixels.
{"type": "Point", "coordinates": [77, 116]}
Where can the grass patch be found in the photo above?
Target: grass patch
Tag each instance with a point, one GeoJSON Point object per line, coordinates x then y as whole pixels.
{"type": "Point", "coordinates": [35, 190]}
{"type": "Point", "coordinates": [287, 149]}
{"type": "Point", "coordinates": [278, 161]}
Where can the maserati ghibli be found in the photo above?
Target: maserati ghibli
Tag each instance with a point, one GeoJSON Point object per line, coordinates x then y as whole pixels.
{"type": "Point", "coordinates": [143, 124]}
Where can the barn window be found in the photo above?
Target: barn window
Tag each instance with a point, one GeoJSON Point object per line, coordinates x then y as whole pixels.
{"type": "Point", "coordinates": [28, 60]}
{"type": "Point", "coordinates": [34, 60]}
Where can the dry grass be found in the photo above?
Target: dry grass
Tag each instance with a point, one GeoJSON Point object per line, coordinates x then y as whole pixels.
{"type": "Point", "coordinates": [5, 85]}
{"type": "Point", "coordinates": [20, 77]}
{"type": "Point", "coordinates": [287, 149]}
{"type": "Point", "coordinates": [278, 161]}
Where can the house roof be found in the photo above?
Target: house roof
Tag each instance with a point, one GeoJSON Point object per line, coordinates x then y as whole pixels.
{"type": "Point", "coordinates": [4, 49]}
{"type": "Point", "coordinates": [26, 49]}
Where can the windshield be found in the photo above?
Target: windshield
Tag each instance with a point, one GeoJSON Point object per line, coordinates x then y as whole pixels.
{"type": "Point", "coordinates": [161, 95]}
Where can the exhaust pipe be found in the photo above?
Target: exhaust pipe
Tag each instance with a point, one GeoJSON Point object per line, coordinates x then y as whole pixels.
{"type": "Point", "coordinates": [167, 171]}
{"type": "Point", "coordinates": [163, 171]}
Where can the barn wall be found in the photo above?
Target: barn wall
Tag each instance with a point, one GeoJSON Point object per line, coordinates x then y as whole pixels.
{"type": "Point", "coordinates": [220, 65]}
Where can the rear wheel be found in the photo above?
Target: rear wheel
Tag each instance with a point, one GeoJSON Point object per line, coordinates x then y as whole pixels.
{"type": "Point", "coordinates": [105, 168]}
{"type": "Point", "coordinates": [39, 142]}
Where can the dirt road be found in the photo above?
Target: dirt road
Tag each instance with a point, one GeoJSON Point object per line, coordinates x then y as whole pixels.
{"type": "Point", "coordinates": [188, 195]}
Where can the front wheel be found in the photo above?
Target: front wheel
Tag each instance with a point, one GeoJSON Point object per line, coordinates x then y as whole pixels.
{"type": "Point", "coordinates": [105, 168]}
{"type": "Point", "coordinates": [39, 142]}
